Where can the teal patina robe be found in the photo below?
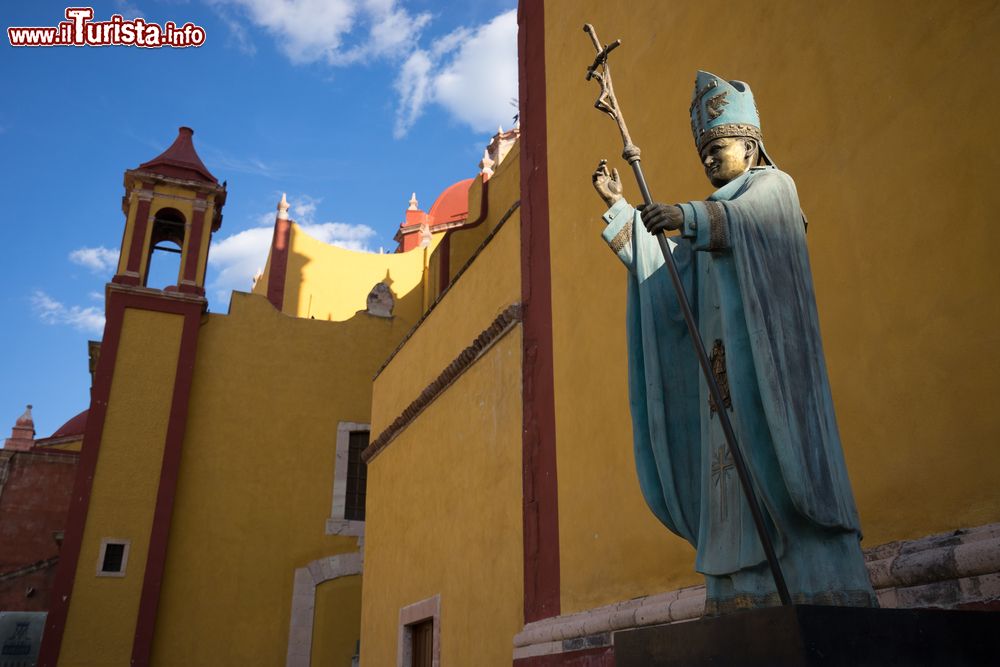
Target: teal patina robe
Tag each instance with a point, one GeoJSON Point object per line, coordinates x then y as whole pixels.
{"type": "Point", "coordinates": [742, 258]}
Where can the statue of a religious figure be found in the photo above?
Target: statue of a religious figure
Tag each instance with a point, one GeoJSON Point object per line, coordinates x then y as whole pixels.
{"type": "Point", "coordinates": [742, 258]}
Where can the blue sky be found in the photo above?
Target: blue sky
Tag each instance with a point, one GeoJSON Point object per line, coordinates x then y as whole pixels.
{"type": "Point", "coordinates": [346, 105]}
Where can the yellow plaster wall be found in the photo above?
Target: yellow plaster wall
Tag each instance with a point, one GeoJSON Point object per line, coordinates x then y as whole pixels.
{"type": "Point", "coordinates": [876, 109]}
{"type": "Point", "coordinates": [68, 446]}
{"type": "Point", "coordinates": [444, 517]}
{"type": "Point", "coordinates": [101, 623]}
{"type": "Point", "coordinates": [490, 285]}
{"type": "Point", "coordinates": [504, 189]}
{"type": "Point", "coordinates": [256, 476]}
{"type": "Point", "coordinates": [336, 621]}
{"type": "Point", "coordinates": [330, 283]}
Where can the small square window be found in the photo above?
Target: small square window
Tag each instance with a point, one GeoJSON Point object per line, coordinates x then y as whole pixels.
{"type": "Point", "coordinates": [113, 557]}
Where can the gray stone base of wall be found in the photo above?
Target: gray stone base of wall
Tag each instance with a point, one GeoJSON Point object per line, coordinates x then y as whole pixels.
{"type": "Point", "coordinates": [954, 570]}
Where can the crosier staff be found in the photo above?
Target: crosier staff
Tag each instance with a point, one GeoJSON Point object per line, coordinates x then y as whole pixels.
{"type": "Point", "coordinates": [608, 103]}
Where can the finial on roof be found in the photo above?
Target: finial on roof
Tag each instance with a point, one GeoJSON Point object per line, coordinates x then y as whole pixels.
{"type": "Point", "coordinates": [486, 164]}
{"type": "Point", "coordinates": [22, 436]}
{"type": "Point", "coordinates": [283, 208]}
{"type": "Point", "coordinates": [26, 418]}
{"type": "Point", "coordinates": [413, 202]}
{"type": "Point", "coordinates": [499, 129]}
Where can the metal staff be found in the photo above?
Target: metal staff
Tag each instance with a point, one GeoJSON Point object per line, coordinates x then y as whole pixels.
{"type": "Point", "coordinates": [608, 103]}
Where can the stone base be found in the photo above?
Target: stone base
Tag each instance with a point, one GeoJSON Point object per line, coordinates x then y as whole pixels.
{"type": "Point", "coordinates": [804, 635]}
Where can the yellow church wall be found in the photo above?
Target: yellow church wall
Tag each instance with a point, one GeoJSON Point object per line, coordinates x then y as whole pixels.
{"type": "Point", "coordinates": [444, 516]}
{"type": "Point", "coordinates": [101, 622]}
{"type": "Point", "coordinates": [67, 446]}
{"type": "Point", "coordinates": [875, 110]}
{"type": "Point", "coordinates": [260, 286]}
{"type": "Point", "coordinates": [256, 478]}
{"type": "Point", "coordinates": [330, 283]}
{"type": "Point", "coordinates": [491, 283]}
{"type": "Point", "coordinates": [337, 621]}
{"type": "Point", "coordinates": [504, 189]}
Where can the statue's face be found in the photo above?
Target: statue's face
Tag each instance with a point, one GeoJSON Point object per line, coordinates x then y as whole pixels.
{"type": "Point", "coordinates": [725, 159]}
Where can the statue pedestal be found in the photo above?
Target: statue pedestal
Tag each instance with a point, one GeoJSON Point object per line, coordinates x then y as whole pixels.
{"type": "Point", "coordinates": [804, 635]}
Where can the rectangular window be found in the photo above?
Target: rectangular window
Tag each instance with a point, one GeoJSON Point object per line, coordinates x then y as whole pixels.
{"type": "Point", "coordinates": [114, 553]}
{"type": "Point", "coordinates": [357, 477]}
{"type": "Point", "coordinates": [113, 557]}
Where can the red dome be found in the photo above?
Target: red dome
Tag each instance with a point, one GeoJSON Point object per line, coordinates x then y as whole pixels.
{"type": "Point", "coordinates": [74, 426]}
{"type": "Point", "coordinates": [452, 205]}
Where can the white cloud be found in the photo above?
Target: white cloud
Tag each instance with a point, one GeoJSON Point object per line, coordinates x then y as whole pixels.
{"type": "Point", "coordinates": [413, 86]}
{"type": "Point", "coordinates": [50, 311]}
{"type": "Point", "coordinates": [311, 30]}
{"type": "Point", "coordinates": [128, 10]}
{"type": "Point", "coordinates": [98, 260]}
{"type": "Point", "coordinates": [352, 237]}
{"type": "Point", "coordinates": [471, 73]}
{"type": "Point", "coordinates": [237, 258]}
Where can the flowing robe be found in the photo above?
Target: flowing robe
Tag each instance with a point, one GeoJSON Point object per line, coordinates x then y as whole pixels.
{"type": "Point", "coordinates": [743, 261]}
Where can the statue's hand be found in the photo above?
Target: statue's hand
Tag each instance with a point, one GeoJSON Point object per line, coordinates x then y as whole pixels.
{"type": "Point", "coordinates": [661, 217]}
{"type": "Point", "coordinates": [607, 183]}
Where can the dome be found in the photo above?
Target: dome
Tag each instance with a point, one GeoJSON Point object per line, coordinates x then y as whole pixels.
{"type": "Point", "coordinates": [74, 426]}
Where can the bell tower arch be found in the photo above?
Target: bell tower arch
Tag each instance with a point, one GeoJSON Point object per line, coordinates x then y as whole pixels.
{"type": "Point", "coordinates": [172, 203]}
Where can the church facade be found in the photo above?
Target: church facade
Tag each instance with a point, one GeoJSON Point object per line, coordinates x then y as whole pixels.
{"type": "Point", "coordinates": [425, 457]}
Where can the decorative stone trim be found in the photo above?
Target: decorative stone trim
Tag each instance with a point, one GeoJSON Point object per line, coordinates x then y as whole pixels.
{"type": "Point", "coordinates": [947, 570]}
{"type": "Point", "coordinates": [408, 617]}
{"type": "Point", "coordinates": [503, 323]}
{"type": "Point", "coordinates": [28, 569]}
{"type": "Point", "coordinates": [337, 524]}
{"type": "Point", "coordinates": [307, 578]}
{"type": "Point", "coordinates": [593, 627]}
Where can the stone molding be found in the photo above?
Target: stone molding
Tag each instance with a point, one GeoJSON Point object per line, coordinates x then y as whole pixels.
{"type": "Point", "coordinates": [503, 323]}
{"type": "Point", "coordinates": [307, 578]}
{"type": "Point", "coordinates": [337, 524]}
{"type": "Point", "coordinates": [946, 570]}
{"type": "Point", "coordinates": [429, 608]}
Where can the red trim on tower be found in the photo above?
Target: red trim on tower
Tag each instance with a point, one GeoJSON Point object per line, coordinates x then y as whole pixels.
{"type": "Point", "coordinates": [69, 556]}
{"type": "Point", "coordinates": [591, 657]}
{"type": "Point", "coordinates": [138, 237]}
{"type": "Point", "coordinates": [165, 494]}
{"type": "Point", "coordinates": [279, 262]}
{"type": "Point", "coordinates": [541, 514]}
{"type": "Point", "coordinates": [193, 257]}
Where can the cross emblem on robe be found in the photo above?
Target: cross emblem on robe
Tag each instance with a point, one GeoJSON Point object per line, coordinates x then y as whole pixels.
{"type": "Point", "coordinates": [722, 465]}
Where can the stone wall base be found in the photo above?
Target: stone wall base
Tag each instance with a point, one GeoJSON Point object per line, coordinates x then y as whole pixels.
{"type": "Point", "coordinates": [959, 569]}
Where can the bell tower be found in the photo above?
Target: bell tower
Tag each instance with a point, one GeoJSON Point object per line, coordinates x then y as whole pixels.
{"type": "Point", "coordinates": [107, 585]}
{"type": "Point", "coordinates": [172, 203]}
